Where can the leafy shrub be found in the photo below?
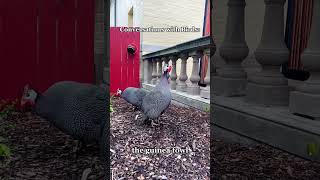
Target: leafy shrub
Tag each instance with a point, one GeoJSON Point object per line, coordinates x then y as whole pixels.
{"type": "Point", "coordinates": [111, 109]}
{"type": "Point", "coordinates": [4, 151]}
{"type": "Point", "coordinates": [7, 107]}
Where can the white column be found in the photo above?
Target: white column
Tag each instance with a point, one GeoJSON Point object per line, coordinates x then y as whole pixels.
{"type": "Point", "coordinates": [165, 60]}
{"type": "Point", "coordinates": [306, 100]}
{"type": "Point", "coordinates": [205, 91]}
{"type": "Point", "coordinates": [270, 87]}
{"type": "Point", "coordinates": [231, 78]}
{"type": "Point", "coordinates": [159, 74]}
{"type": "Point", "coordinates": [182, 86]}
{"type": "Point", "coordinates": [173, 75]}
{"type": "Point", "coordinates": [145, 70]}
{"type": "Point", "coordinates": [194, 88]}
{"type": "Point", "coordinates": [154, 71]}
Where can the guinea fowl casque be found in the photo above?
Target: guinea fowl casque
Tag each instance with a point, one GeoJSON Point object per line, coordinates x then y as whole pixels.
{"type": "Point", "coordinates": [157, 100]}
{"type": "Point", "coordinates": [77, 109]}
{"type": "Point", "coordinates": [133, 96]}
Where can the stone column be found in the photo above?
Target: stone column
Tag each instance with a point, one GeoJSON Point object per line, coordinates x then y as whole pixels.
{"type": "Point", "coordinates": [165, 60]}
{"type": "Point", "coordinates": [194, 88]}
{"type": "Point", "coordinates": [159, 69]}
{"type": "Point", "coordinates": [173, 75]}
{"type": "Point", "coordinates": [154, 72]}
{"type": "Point", "coordinates": [231, 78]}
{"type": "Point", "coordinates": [270, 87]}
{"type": "Point", "coordinates": [182, 85]}
{"type": "Point", "coordinates": [147, 71]}
{"type": "Point", "coordinates": [205, 91]}
{"type": "Point", "coordinates": [306, 99]}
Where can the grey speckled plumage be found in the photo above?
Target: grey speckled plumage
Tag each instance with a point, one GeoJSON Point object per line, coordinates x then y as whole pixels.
{"type": "Point", "coordinates": [105, 149]}
{"type": "Point", "coordinates": [157, 100]}
{"type": "Point", "coordinates": [78, 109]}
{"type": "Point", "coordinates": [134, 96]}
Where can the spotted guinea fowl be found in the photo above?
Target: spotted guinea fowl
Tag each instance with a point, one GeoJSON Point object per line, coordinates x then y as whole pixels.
{"type": "Point", "coordinates": [78, 109]}
{"type": "Point", "coordinates": [133, 96]}
{"type": "Point", "coordinates": [157, 100]}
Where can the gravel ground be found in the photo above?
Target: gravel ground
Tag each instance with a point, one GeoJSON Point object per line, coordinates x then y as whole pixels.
{"type": "Point", "coordinates": [185, 129]}
{"type": "Point", "coordinates": [40, 151]}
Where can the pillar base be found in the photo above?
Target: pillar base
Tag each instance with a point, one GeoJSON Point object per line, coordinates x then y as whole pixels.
{"type": "Point", "coordinates": [305, 104]}
{"type": "Point", "coordinates": [154, 81]}
{"type": "Point", "coordinates": [173, 85]}
{"type": "Point", "coordinates": [267, 94]}
{"type": "Point", "coordinates": [205, 92]}
{"type": "Point", "coordinates": [194, 89]}
{"type": "Point", "coordinates": [228, 86]}
{"type": "Point", "coordinates": [182, 87]}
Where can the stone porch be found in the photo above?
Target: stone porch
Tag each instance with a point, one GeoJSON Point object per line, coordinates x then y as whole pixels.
{"type": "Point", "coordinates": [257, 106]}
{"type": "Point", "coordinates": [260, 106]}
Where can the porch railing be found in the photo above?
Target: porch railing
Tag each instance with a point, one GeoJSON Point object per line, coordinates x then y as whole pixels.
{"type": "Point", "coordinates": [196, 48]}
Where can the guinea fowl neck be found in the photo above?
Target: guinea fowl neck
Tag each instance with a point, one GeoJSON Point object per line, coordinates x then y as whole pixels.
{"type": "Point", "coordinates": [164, 79]}
{"type": "Point", "coordinates": [38, 98]}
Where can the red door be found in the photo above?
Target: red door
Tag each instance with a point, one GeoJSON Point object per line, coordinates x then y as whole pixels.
{"type": "Point", "coordinates": [124, 66]}
{"type": "Point", "coordinates": [42, 42]}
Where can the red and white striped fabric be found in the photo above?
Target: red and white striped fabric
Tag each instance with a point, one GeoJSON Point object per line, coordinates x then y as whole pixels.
{"type": "Point", "coordinates": [301, 30]}
{"type": "Point", "coordinates": [206, 32]}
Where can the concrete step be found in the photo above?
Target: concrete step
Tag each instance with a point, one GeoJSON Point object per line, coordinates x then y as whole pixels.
{"type": "Point", "coordinates": [273, 125]}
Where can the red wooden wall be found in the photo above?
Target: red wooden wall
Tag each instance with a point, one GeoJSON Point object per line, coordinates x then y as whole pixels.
{"type": "Point", "coordinates": [42, 42]}
{"type": "Point", "coordinates": [124, 67]}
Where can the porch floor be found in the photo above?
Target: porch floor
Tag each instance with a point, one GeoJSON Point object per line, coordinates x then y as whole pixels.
{"type": "Point", "coordinates": [186, 99]}
{"type": "Point", "coordinates": [272, 125]}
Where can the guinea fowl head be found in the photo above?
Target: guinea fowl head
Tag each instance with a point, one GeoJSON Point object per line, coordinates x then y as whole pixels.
{"type": "Point", "coordinates": [29, 96]}
{"type": "Point", "coordinates": [119, 92]}
{"type": "Point", "coordinates": [166, 70]}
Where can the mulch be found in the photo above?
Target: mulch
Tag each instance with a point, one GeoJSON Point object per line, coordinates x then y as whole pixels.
{"type": "Point", "coordinates": [234, 161]}
{"type": "Point", "coordinates": [40, 151]}
{"type": "Point", "coordinates": [182, 128]}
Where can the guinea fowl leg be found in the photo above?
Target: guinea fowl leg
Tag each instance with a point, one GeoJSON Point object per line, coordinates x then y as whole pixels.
{"type": "Point", "coordinates": [145, 119]}
{"type": "Point", "coordinates": [153, 124]}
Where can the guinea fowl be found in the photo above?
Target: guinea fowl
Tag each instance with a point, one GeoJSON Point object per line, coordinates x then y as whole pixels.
{"type": "Point", "coordinates": [157, 100]}
{"type": "Point", "coordinates": [133, 96]}
{"type": "Point", "coordinates": [78, 109]}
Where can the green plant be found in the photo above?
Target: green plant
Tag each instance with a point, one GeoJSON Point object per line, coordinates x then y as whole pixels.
{"type": "Point", "coordinates": [111, 109]}
{"type": "Point", "coordinates": [206, 108]}
{"type": "Point", "coordinates": [313, 149]}
{"type": "Point", "coordinates": [4, 151]}
{"type": "Point", "coordinates": [110, 105]}
{"type": "Point", "coordinates": [6, 112]}
{"type": "Point", "coordinates": [7, 107]}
